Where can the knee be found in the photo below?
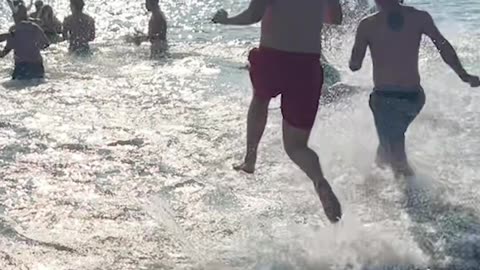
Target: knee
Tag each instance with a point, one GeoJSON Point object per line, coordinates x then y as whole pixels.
{"type": "Point", "coordinates": [292, 149]}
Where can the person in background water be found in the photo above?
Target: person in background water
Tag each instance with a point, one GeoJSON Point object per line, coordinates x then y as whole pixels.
{"type": "Point", "coordinates": [393, 36]}
{"type": "Point", "coordinates": [26, 41]}
{"type": "Point", "coordinates": [50, 24]}
{"type": "Point", "coordinates": [15, 4]}
{"type": "Point", "coordinates": [79, 29]}
{"type": "Point", "coordinates": [157, 31]}
{"type": "Point", "coordinates": [288, 63]}
{"type": "Point", "coordinates": [38, 7]}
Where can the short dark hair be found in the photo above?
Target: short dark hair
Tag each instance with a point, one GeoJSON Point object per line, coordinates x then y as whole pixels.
{"type": "Point", "coordinates": [154, 2]}
{"type": "Point", "coordinates": [39, 3]}
{"type": "Point", "coordinates": [78, 4]}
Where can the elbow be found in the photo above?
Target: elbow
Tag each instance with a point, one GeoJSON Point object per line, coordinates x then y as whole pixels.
{"type": "Point", "coordinates": [355, 66]}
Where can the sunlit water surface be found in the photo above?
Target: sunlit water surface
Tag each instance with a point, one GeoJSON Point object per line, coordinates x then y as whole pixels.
{"type": "Point", "coordinates": [119, 162]}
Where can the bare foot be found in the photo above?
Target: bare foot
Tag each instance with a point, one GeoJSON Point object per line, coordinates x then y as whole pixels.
{"type": "Point", "coordinates": [331, 205]}
{"type": "Point", "coordinates": [381, 163]}
{"type": "Point", "coordinates": [247, 168]}
{"type": "Point", "coordinates": [404, 172]}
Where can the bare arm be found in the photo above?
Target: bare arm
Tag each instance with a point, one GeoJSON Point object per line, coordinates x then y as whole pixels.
{"type": "Point", "coordinates": [58, 26]}
{"type": "Point", "coordinates": [360, 47]}
{"type": "Point", "coordinates": [5, 52]}
{"type": "Point", "coordinates": [10, 4]}
{"type": "Point", "coordinates": [334, 13]}
{"type": "Point", "coordinates": [253, 14]}
{"type": "Point", "coordinates": [43, 41]}
{"type": "Point", "coordinates": [8, 48]}
{"type": "Point", "coordinates": [4, 37]}
{"type": "Point", "coordinates": [66, 29]}
{"type": "Point", "coordinates": [448, 53]}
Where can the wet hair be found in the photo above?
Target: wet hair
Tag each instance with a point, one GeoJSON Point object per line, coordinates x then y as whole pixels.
{"type": "Point", "coordinates": [77, 4]}
{"type": "Point", "coordinates": [395, 21]}
{"type": "Point", "coordinates": [45, 10]}
{"type": "Point", "coordinates": [155, 2]}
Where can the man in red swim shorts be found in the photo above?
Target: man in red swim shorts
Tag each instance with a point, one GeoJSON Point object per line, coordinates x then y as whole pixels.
{"type": "Point", "coordinates": [287, 63]}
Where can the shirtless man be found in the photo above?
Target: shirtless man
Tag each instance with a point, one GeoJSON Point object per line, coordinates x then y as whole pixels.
{"type": "Point", "coordinates": [393, 36]}
{"type": "Point", "coordinates": [26, 40]}
{"type": "Point", "coordinates": [78, 29]}
{"type": "Point", "coordinates": [50, 24]}
{"type": "Point", "coordinates": [287, 62]}
{"type": "Point", "coordinates": [157, 31]}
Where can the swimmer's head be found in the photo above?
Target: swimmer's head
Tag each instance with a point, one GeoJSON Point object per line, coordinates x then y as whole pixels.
{"type": "Point", "coordinates": [151, 4]}
{"type": "Point", "coordinates": [38, 5]}
{"type": "Point", "coordinates": [77, 5]}
{"type": "Point", "coordinates": [21, 14]}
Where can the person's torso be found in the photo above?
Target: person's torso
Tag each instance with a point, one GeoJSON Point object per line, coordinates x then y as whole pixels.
{"type": "Point", "coordinates": [293, 25]}
{"type": "Point", "coordinates": [80, 28]}
{"type": "Point", "coordinates": [26, 42]}
{"type": "Point", "coordinates": [395, 53]}
{"type": "Point", "coordinates": [157, 27]}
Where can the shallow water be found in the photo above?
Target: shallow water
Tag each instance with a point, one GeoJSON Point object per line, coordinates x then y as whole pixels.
{"type": "Point", "coordinates": [119, 162]}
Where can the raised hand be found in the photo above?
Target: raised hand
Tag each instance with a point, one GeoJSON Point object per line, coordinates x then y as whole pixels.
{"type": "Point", "coordinates": [220, 17]}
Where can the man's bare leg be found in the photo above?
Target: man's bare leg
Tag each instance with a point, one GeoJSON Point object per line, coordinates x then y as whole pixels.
{"type": "Point", "coordinates": [400, 164]}
{"type": "Point", "coordinates": [295, 141]}
{"type": "Point", "coordinates": [381, 160]}
{"type": "Point", "coordinates": [256, 122]}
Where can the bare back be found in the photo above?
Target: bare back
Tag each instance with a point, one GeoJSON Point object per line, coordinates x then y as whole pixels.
{"type": "Point", "coordinates": [79, 29]}
{"type": "Point", "coordinates": [27, 40]}
{"type": "Point", "coordinates": [293, 25]}
{"type": "Point", "coordinates": [395, 53]}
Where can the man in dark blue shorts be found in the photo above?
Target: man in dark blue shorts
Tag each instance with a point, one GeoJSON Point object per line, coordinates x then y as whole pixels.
{"type": "Point", "coordinates": [393, 36]}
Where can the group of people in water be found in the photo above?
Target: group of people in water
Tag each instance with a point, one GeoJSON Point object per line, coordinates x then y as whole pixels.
{"type": "Point", "coordinates": [287, 63]}
{"type": "Point", "coordinates": [36, 31]}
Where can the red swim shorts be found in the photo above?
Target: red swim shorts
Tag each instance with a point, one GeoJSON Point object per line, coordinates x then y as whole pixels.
{"type": "Point", "coordinates": [298, 77]}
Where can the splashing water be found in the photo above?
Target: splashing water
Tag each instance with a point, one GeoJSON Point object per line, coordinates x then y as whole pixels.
{"type": "Point", "coordinates": [118, 162]}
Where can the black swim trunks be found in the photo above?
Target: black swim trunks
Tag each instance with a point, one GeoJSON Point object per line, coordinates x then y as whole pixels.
{"type": "Point", "coordinates": [28, 71]}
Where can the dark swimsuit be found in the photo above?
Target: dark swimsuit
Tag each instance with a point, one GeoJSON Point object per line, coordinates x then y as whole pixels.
{"type": "Point", "coordinates": [28, 71]}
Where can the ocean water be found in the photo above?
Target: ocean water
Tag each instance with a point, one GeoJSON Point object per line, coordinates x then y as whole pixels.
{"type": "Point", "coordinates": [120, 162]}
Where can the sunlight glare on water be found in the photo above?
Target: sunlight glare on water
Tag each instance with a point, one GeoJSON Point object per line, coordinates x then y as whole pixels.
{"type": "Point", "coordinates": [119, 162]}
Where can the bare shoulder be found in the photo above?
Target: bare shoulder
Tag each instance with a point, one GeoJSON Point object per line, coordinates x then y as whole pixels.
{"type": "Point", "coordinates": [367, 22]}
{"type": "Point", "coordinates": [417, 14]}
{"type": "Point", "coordinates": [89, 18]}
{"type": "Point", "coordinates": [36, 26]}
